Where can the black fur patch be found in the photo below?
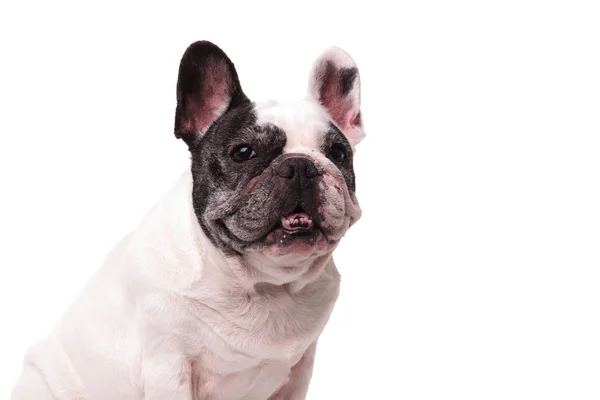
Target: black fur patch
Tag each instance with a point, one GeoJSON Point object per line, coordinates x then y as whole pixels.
{"type": "Point", "coordinates": [347, 78]}
{"type": "Point", "coordinates": [335, 136]}
{"type": "Point", "coordinates": [343, 78]}
{"type": "Point", "coordinates": [214, 171]}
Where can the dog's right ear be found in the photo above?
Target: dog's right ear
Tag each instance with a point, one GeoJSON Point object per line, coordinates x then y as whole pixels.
{"type": "Point", "coordinates": [207, 87]}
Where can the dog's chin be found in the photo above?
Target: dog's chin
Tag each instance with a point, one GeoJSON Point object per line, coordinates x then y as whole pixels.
{"type": "Point", "coordinates": [307, 242]}
{"type": "Point", "coordinates": [294, 250]}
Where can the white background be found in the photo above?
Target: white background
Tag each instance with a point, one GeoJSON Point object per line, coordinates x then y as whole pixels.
{"type": "Point", "coordinates": [474, 273]}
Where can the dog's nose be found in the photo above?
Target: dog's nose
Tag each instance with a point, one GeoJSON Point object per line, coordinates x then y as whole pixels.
{"type": "Point", "coordinates": [301, 166]}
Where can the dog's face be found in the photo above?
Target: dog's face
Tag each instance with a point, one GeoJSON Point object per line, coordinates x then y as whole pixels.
{"type": "Point", "coordinates": [272, 179]}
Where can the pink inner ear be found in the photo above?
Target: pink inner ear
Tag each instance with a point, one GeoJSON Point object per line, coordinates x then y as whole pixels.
{"type": "Point", "coordinates": [343, 109]}
{"type": "Point", "coordinates": [342, 105]}
{"type": "Point", "coordinates": [213, 97]}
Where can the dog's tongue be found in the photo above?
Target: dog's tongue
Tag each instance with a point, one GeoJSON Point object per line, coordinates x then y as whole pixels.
{"type": "Point", "coordinates": [296, 221]}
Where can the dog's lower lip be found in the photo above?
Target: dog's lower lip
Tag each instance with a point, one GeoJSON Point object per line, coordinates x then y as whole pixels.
{"type": "Point", "coordinates": [299, 232]}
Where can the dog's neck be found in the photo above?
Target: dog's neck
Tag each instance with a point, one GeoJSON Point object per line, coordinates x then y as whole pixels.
{"type": "Point", "coordinates": [170, 245]}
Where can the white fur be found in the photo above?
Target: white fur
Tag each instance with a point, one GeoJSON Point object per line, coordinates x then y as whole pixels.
{"type": "Point", "coordinates": [304, 123]}
{"type": "Point", "coordinates": [165, 312]}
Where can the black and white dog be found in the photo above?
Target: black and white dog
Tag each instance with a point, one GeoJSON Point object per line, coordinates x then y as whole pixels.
{"type": "Point", "coordinates": [222, 291]}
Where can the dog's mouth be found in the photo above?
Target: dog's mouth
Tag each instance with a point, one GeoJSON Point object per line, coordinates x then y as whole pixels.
{"type": "Point", "coordinates": [298, 231]}
{"type": "Point", "coordinates": [298, 223]}
{"type": "Point", "coordinates": [296, 227]}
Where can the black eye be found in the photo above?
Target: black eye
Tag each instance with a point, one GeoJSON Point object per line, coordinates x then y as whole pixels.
{"type": "Point", "coordinates": [337, 153]}
{"type": "Point", "coordinates": [243, 153]}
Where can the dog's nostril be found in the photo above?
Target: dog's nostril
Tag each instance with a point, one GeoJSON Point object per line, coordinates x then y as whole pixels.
{"type": "Point", "coordinates": [286, 170]}
{"type": "Point", "coordinates": [311, 170]}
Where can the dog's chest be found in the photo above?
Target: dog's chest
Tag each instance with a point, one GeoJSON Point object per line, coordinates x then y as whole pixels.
{"type": "Point", "coordinates": [256, 382]}
{"type": "Point", "coordinates": [250, 347]}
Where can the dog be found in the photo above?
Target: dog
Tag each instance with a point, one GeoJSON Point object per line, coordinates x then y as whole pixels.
{"type": "Point", "coordinates": [223, 289]}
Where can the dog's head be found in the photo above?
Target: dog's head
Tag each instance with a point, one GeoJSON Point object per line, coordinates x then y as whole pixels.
{"type": "Point", "coordinates": [271, 180]}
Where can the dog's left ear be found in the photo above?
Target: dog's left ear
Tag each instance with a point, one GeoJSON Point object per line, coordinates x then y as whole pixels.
{"type": "Point", "coordinates": [335, 83]}
{"type": "Point", "coordinates": [207, 87]}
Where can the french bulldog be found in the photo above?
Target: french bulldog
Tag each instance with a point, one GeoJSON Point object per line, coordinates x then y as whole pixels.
{"type": "Point", "coordinates": [223, 289]}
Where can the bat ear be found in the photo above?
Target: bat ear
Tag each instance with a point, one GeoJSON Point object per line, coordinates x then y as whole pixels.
{"type": "Point", "coordinates": [207, 86]}
{"type": "Point", "coordinates": [335, 84]}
